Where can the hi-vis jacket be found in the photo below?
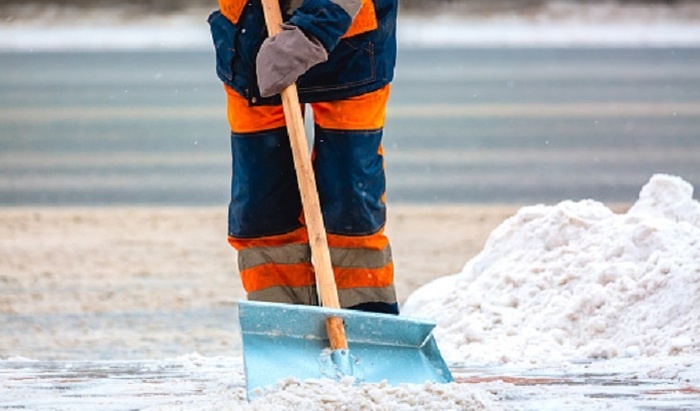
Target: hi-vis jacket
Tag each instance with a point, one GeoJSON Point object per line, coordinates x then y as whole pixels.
{"type": "Point", "coordinates": [362, 50]}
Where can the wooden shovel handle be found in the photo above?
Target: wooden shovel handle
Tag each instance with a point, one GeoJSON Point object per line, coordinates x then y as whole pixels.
{"type": "Point", "coordinates": [325, 281]}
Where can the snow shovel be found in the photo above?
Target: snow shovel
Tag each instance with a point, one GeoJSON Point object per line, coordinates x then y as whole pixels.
{"type": "Point", "coordinates": [282, 341]}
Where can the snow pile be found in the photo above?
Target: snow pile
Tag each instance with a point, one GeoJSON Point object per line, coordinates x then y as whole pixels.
{"type": "Point", "coordinates": [576, 281]}
{"type": "Point", "coordinates": [345, 395]}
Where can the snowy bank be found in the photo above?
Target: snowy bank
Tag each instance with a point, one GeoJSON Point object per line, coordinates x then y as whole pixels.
{"type": "Point", "coordinates": [38, 27]}
{"type": "Point", "coordinates": [576, 281]}
{"type": "Point", "coordinates": [184, 34]}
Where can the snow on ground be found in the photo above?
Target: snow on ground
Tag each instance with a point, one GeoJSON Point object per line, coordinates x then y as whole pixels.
{"type": "Point", "coordinates": [569, 306]}
{"type": "Point", "coordinates": [556, 24]}
{"type": "Point", "coordinates": [193, 382]}
{"type": "Point", "coordinates": [575, 281]}
{"type": "Point", "coordinates": [330, 395]}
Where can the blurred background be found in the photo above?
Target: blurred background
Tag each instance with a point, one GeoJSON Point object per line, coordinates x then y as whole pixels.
{"type": "Point", "coordinates": [117, 103]}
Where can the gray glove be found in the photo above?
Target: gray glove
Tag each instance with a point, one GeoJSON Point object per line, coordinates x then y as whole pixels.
{"type": "Point", "coordinates": [286, 56]}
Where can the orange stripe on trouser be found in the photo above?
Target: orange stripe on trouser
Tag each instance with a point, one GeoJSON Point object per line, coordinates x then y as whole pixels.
{"type": "Point", "coordinates": [243, 118]}
{"type": "Point", "coordinates": [351, 277]}
{"type": "Point", "coordinates": [365, 112]}
{"type": "Point", "coordinates": [347, 277]}
{"type": "Point", "coordinates": [301, 274]}
{"type": "Point", "coordinates": [270, 274]}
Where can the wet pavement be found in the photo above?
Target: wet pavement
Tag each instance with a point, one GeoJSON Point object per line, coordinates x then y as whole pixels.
{"type": "Point", "coordinates": [586, 385]}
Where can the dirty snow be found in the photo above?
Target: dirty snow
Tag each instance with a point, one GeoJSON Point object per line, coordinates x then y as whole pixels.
{"type": "Point", "coordinates": [576, 281]}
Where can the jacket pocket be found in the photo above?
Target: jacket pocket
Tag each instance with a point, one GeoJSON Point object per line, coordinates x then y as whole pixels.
{"type": "Point", "coordinates": [224, 34]}
{"type": "Point", "coordinates": [351, 64]}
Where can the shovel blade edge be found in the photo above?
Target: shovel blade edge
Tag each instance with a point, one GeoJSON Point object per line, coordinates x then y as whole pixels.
{"type": "Point", "coordinates": [282, 341]}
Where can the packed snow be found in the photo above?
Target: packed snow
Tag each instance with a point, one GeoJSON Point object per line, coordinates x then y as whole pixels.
{"type": "Point", "coordinates": [345, 394]}
{"type": "Point", "coordinates": [576, 281]}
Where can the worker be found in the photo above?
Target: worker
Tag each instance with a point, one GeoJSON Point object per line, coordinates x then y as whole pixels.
{"type": "Point", "coordinates": [341, 54]}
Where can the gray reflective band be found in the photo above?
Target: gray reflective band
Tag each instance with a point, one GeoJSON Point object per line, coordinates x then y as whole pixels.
{"type": "Point", "coordinates": [352, 7]}
{"type": "Point", "coordinates": [301, 253]}
{"type": "Point", "coordinates": [354, 296]}
{"type": "Point", "coordinates": [284, 254]}
{"type": "Point", "coordinates": [307, 295]}
{"type": "Point", "coordinates": [360, 257]}
{"type": "Point", "coordinates": [286, 295]}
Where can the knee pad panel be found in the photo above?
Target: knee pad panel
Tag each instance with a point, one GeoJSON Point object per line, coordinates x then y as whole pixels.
{"type": "Point", "coordinates": [351, 180]}
{"type": "Point", "coordinates": [264, 194]}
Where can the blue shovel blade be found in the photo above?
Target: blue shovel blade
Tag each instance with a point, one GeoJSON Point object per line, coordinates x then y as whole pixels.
{"type": "Point", "coordinates": [283, 341]}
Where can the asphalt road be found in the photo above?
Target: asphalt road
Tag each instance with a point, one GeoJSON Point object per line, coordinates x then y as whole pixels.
{"type": "Point", "coordinates": [465, 126]}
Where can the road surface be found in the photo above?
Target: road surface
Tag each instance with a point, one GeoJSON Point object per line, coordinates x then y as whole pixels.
{"type": "Point", "coordinates": [464, 126]}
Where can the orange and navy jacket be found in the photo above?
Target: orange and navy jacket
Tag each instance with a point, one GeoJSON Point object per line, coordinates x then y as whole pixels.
{"type": "Point", "coordinates": [362, 47]}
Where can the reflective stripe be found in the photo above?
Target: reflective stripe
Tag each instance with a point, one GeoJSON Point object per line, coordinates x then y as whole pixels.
{"type": "Point", "coordinates": [301, 253]}
{"type": "Point", "coordinates": [284, 254]}
{"type": "Point", "coordinates": [360, 257]}
{"type": "Point", "coordinates": [364, 20]}
{"type": "Point", "coordinates": [269, 274]}
{"type": "Point", "coordinates": [363, 277]}
{"type": "Point", "coordinates": [350, 6]}
{"type": "Point", "coordinates": [297, 236]}
{"type": "Point", "coordinates": [273, 275]}
{"type": "Point", "coordinates": [307, 295]}
{"type": "Point", "coordinates": [287, 295]}
{"type": "Point", "coordinates": [376, 241]}
{"type": "Point", "coordinates": [290, 266]}
{"type": "Point", "coordinates": [354, 296]}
